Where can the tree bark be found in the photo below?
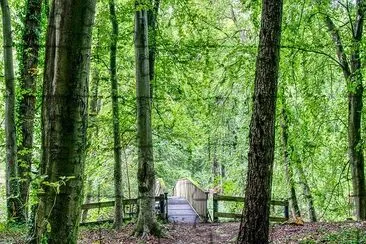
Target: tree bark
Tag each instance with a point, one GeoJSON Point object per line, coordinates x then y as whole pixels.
{"type": "Point", "coordinates": [29, 73]}
{"type": "Point", "coordinates": [254, 227]}
{"type": "Point", "coordinates": [118, 208]}
{"type": "Point", "coordinates": [288, 168]}
{"type": "Point", "coordinates": [353, 76]}
{"type": "Point", "coordinates": [146, 222]}
{"type": "Point", "coordinates": [307, 192]}
{"type": "Point", "coordinates": [14, 206]}
{"type": "Point", "coordinates": [64, 120]}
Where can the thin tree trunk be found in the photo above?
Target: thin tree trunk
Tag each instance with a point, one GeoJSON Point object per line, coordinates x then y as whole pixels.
{"type": "Point", "coordinates": [94, 100]}
{"type": "Point", "coordinates": [14, 206]}
{"type": "Point", "coordinates": [152, 24]}
{"type": "Point", "coordinates": [146, 222]}
{"type": "Point", "coordinates": [307, 192]}
{"type": "Point", "coordinates": [29, 73]}
{"type": "Point", "coordinates": [254, 227]}
{"type": "Point", "coordinates": [288, 168]}
{"type": "Point", "coordinates": [88, 199]}
{"type": "Point", "coordinates": [64, 120]}
{"type": "Point", "coordinates": [353, 75]}
{"type": "Point", "coordinates": [118, 208]}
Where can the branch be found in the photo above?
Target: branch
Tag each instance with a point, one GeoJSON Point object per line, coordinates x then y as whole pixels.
{"type": "Point", "coordinates": [342, 57]}
{"type": "Point", "coordinates": [313, 51]}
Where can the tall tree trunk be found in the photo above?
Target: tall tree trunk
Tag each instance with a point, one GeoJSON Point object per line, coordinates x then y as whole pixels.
{"type": "Point", "coordinates": [14, 206]}
{"type": "Point", "coordinates": [94, 107]}
{"type": "Point", "coordinates": [64, 119]}
{"type": "Point", "coordinates": [29, 73]}
{"type": "Point", "coordinates": [152, 24]}
{"type": "Point", "coordinates": [118, 208]}
{"type": "Point", "coordinates": [88, 199]}
{"type": "Point", "coordinates": [353, 75]}
{"type": "Point", "coordinates": [288, 168]}
{"type": "Point", "coordinates": [307, 192]}
{"type": "Point", "coordinates": [254, 227]}
{"type": "Point", "coordinates": [146, 222]}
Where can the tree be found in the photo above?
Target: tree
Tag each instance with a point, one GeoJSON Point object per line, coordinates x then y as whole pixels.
{"type": "Point", "coordinates": [146, 222]}
{"type": "Point", "coordinates": [14, 207]}
{"type": "Point", "coordinates": [64, 118]}
{"type": "Point", "coordinates": [29, 72]}
{"type": "Point", "coordinates": [254, 227]}
{"type": "Point", "coordinates": [287, 161]}
{"type": "Point", "coordinates": [353, 75]}
{"type": "Point", "coordinates": [118, 217]}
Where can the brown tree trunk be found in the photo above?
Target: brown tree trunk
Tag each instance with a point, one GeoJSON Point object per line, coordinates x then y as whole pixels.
{"type": "Point", "coordinates": [307, 192]}
{"type": "Point", "coordinates": [118, 208]}
{"type": "Point", "coordinates": [13, 203]}
{"type": "Point", "coordinates": [288, 167]}
{"type": "Point", "coordinates": [353, 75]}
{"type": "Point", "coordinates": [64, 120]}
{"type": "Point", "coordinates": [29, 73]}
{"type": "Point", "coordinates": [146, 222]}
{"type": "Point", "coordinates": [254, 227]}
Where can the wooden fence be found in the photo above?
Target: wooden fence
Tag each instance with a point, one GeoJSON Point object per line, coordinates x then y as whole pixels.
{"type": "Point", "coordinates": [194, 195]}
{"type": "Point", "coordinates": [130, 208]}
{"type": "Point", "coordinates": [220, 198]}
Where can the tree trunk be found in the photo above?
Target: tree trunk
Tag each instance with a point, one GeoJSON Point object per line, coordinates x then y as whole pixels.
{"type": "Point", "coordinates": [118, 208]}
{"type": "Point", "coordinates": [288, 168]}
{"type": "Point", "coordinates": [64, 120]}
{"type": "Point", "coordinates": [146, 223]}
{"type": "Point", "coordinates": [353, 75]}
{"type": "Point", "coordinates": [254, 227]}
{"type": "Point", "coordinates": [307, 192]}
{"type": "Point", "coordinates": [88, 199]}
{"type": "Point", "coordinates": [29, 73]}
{"type": "Point", "coordinates": [152, 24]}
{"type": "Point", "coordinates": [13, 203]}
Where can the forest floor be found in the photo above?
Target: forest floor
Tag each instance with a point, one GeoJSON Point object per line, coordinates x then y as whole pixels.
{"type": "Point", "coordinates": [339, 232]}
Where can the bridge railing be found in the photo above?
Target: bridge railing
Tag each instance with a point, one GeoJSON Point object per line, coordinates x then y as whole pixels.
{"type": "Point", "coordinates": [216, 213]}
{"type": "Point", "coordinates": [130, 208]}
{"type": "Point", "coordinates": [194, 195]}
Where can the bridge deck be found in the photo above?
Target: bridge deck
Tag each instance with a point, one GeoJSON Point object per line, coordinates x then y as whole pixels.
{"type": "Point", "coordinates": [179, 211]}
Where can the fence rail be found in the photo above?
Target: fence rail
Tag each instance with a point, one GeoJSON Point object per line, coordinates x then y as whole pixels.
{"type": "Point", "coordinates": [221, 198]}
{"type": "Point", "coordinates": [162, 207]}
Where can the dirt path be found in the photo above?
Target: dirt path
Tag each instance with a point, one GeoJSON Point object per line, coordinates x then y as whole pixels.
{"type": "Point", "coordinates": [226, 233]}
{"type": "Point", "coordinates": [337, 233]}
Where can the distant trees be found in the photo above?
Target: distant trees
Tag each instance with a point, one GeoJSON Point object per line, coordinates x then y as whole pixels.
{"type": "Point", "coordinates": [352, 70]}
{"type": "Point", "coordinates": [254, 227]}
{"type": "Point", "coordinates": [14, 206]}
{"type": "Point", "coordinates": [64, 118]}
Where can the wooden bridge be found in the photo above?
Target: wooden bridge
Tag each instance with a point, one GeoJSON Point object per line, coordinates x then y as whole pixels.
{"type": "Point", "coordinates": [189, 204]}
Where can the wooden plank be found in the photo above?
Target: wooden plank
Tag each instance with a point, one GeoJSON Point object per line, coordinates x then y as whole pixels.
{"type": "Point", "coordinates": [97, 205]}
{"type": "Point", "coordinates": [133, 201]}
{"type": "Point", "coordinates": [227, 215]}
{"type": "Point", "coordinates": [241, 199]}
{"type": "Point", "coordinates": [238, 216]}
{"type": "Point", "coordinates": [228, 198]}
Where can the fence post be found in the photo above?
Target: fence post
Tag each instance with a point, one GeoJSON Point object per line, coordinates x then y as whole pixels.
{"type": "Point", "coordinates": [206, 215]}
{"type": "Point", "coordinates": [166, 205]}
{"type": "Point", "coordinates": [161, 205]}
{"type": "Point", "coordinates": [215, 208]}
{"type": "Point", "coordinates": [287, 215]}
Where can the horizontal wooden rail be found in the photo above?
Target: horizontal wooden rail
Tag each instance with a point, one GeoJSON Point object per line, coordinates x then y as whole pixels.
{"type": "Point", "coordinates": [162, 199]}
{"type": "Point", "coordinates": [217, 214]}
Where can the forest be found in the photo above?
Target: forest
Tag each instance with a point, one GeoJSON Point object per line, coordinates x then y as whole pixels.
{"type": "Point", "coordinates": [191, 121]}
